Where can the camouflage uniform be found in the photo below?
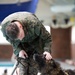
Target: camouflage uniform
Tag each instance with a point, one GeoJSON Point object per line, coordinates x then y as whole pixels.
{"type": "Point", "coordinates": [36, 40]}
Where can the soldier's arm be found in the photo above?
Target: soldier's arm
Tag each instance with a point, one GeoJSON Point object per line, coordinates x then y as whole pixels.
{"type": "Point", "coordinates": [16, 46]}
{"type": "Point", "coordinates": [44, 35]}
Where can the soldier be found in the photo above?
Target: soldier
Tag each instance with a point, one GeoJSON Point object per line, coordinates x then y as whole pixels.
{"type": "Point", "coordinates": [28, 36]}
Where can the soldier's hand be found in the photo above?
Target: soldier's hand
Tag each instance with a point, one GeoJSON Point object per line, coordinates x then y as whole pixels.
{"type": "Point", "coordinates": [47, 55]}
{"type": "Point", "coordinates": [23, 54]}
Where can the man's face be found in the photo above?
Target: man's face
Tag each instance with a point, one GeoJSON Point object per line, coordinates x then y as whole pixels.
{"type": "Point", "coordinates": [21, 34]}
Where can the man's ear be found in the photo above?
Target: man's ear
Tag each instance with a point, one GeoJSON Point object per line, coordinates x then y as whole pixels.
{"type": "Point", "coordinates": [20, 26]}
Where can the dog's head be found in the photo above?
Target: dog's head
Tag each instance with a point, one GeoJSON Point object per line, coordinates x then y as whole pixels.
{"type": "Point", "coordinates": [40, 59]}
{"type": "Point", "coordinates": [48, 67]}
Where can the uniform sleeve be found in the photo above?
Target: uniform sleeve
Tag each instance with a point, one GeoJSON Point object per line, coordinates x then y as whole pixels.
{"type": "Point", "coordinates": [16, 46]}
{"type": "Point", "coordinates": [44, 35]}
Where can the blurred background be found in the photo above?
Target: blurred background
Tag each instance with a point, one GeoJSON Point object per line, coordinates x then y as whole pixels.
{"type": "Point", "coordinates": [58, 17]}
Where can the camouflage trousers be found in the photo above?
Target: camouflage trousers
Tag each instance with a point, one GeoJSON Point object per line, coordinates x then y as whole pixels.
{"type": "Point", "coordinates": [30, 67]}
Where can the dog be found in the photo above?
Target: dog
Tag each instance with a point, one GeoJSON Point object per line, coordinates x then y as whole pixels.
{"type": "Point", "coordinates": [50, 67]}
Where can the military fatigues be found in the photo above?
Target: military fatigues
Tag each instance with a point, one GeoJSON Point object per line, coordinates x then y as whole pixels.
{"type": "Point", "coordinates": [36, 40]}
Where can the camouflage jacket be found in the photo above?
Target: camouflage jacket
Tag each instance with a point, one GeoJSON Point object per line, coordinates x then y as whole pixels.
{"type": "Point", "coordinates": [37, 38]}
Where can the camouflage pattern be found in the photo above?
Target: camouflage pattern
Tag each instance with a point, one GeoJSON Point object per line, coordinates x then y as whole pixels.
{"type": "Point", "coordinates": [37, 39]}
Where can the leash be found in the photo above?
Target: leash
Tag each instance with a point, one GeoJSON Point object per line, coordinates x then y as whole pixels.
{"type": "Point", "coordinates": [14, 68]}
{"type": "Point", "coordinates": [16, 64]}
